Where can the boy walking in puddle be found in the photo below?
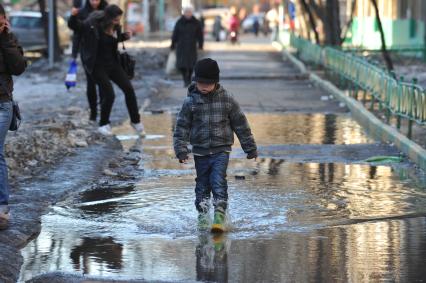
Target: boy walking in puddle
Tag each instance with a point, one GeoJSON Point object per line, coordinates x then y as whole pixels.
{"type": "Point", "coordinates": [208, 120]}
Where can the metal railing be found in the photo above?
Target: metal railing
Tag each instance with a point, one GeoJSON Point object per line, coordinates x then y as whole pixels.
{"type": "Point", "coordinates": [404, 100]}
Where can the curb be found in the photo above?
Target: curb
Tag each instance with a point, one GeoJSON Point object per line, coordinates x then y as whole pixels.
{"type": "Point", "coordinates": [374, 126]}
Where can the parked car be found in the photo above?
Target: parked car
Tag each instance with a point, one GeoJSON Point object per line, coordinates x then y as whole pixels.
{"type": "Point", "coordinates": [28, 28]}
{"type": "Point", "coordinates": [248, 23]}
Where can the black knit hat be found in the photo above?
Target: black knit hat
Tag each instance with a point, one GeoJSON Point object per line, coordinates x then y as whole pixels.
{"type": "Point", "coordinates": [206, 71]}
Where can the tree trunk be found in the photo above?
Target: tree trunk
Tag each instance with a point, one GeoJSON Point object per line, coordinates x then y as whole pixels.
{"type": "Point", "coordinates": [57, 47]}
{"type": "Point", "coordinates": [333, 20]}
{"type": "Point", "coordinates": [330, 18]}
{"type": "Point", "coordinates": [311, 20]}
{"type": "Point", "coordinates": [385, 52]}
{"type": "Point", "coordinates": [44, 18]}
{"type": "Point", "coordinates": [45, 22]}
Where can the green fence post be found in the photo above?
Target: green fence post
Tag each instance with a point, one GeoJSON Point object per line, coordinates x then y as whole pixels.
{"type": "Point", "coordinates": [398, 117]}
{"type": "Point", "coordinates": [410, 119]}
{"type": "Point", "coordinates": [388, 112]}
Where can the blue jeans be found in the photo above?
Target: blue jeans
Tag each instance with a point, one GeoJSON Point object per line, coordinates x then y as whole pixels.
{"type": "Point", "coordinates": [211, 178]}
{"type": "Point", "coordinates": [5, 118]}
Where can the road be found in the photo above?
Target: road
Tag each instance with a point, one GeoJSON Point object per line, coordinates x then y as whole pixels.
{"type": "Point", "coordinates": [308, 210]}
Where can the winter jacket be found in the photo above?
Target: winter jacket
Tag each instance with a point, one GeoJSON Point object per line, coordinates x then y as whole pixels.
{"type": "Point", "coordinates": [83, 14]}
{"type": "Point", "coordinates": [90, 30]}
{"type": "Point", "coordinates": [186, 34]}
{"type": "Point", "coordinates": [208, 122]}
{"type": "Point", "coordinates": [12, 62]}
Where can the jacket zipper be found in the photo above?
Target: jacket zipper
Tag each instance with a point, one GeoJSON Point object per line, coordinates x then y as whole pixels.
{"type": "Point", "coordinates": [210, 125]}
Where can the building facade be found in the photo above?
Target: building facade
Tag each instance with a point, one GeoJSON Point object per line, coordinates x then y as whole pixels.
{"type": "Point", "coordinates": [403, 22]}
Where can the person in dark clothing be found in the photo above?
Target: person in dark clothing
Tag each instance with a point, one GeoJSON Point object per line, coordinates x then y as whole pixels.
{"type": "Point", "coordinates": [256, 26]}
{"type": "Point", "coordinates": [101, 34]}
{"type": "Point", "coordinates": [186, 34]}
{"type": "Point", "coordinates": [12, 62]}
{"type": "Point", "coordinates": [217, 28]}
{"type": "Point", "coordinates": [89, 7]}
{"type": "Point", "coordinates": [208, 120]}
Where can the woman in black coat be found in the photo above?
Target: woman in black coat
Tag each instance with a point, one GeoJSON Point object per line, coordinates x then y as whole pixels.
{"type": "Point", "coordinates": [89, 7]}
{"type": "Point", "coordinates": [186, 34]}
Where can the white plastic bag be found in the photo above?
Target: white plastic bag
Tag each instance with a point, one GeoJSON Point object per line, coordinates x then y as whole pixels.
{"type": "Point", "coordinates": [71, 76]}
{"type": "Point", "coordinates": [171, 63]}
{"type": "Point", "coordinates": [222, 35]}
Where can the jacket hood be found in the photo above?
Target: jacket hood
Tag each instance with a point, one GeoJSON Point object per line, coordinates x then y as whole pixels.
{"type": "Point", "coordinates": [96, 16]}
{"type": "Point", "coordinates": [88, 8]}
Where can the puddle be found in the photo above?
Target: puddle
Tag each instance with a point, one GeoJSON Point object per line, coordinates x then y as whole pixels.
{"type": "Point", "coordinates": [290, 222]}
{"type": "Point", "coordinates": [148, 231]}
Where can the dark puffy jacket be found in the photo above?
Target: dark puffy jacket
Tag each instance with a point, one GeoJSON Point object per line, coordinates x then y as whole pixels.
{"type": "Point", "coordinates": [208, 122]}
{"type": "Point", "coordinates": [186, 34]}
{"type": "Point", "coordinates": [90, 30]}
{"type": "Point", "coordinates": [12, 62]}
{"type": "Point", "coordinates": [83, 14]}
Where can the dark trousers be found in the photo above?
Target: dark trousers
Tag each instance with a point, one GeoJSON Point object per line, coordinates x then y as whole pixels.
{"type": "Point", "coordinates": [92, 96]}
{"type": "Point", "coordinates": [186, 74]}
{"type": "Point", "coordinates": [103, 77]}
{"type": "Point", "coordinates": [211, 178]}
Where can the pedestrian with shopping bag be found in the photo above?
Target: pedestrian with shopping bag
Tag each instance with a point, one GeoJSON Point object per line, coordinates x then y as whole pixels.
{"type": "Point", "coordinates": [187, 34]}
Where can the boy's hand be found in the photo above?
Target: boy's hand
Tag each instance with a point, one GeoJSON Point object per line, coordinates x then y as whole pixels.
{"type": "Point", "coordinates": [252, 154]}
{"type": "Point", "coordinates": [183, 158]}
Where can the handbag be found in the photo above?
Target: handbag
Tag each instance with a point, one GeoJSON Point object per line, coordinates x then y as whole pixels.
{"type": "Point", "coordinates": [16, 120]}
{"type": "Point", "coordinates": [127, 62]}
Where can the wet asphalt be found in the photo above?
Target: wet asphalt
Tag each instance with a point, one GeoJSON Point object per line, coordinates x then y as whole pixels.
{"type": "Point", "coordinates": [310, 209]}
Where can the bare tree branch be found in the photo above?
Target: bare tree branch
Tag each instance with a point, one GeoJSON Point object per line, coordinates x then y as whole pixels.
{"type": "Point", "coordinates": [317, 9]}
{"type": "Point", "coordinates": [311, 20]}
{"type": "Point", "coordinates": [385, 52]}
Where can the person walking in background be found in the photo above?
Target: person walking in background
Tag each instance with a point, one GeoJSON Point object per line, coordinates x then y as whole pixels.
{"type": "Point", "coordinates": [234, 25]}
{"type": "Point", "coordinates": [186, 34]}
{"type": "Point", "coordinates": [101, 34]}
{"type": "Point", "coordinates": [274, 22]}
{"type": "Point", "coordinates": [89, 7]}
{"type": "Point", "coordinates": [217, 28]}
{"type": "Point", "coordinates": [256, 26]}
{"type": "Point", "coordinates": [12, 62]}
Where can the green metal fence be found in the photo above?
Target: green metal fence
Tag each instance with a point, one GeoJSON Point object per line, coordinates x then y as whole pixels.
{"type": "Point", "coordinates": [404, 100]}
{"type": "Point", "coordinates": [307, 51]}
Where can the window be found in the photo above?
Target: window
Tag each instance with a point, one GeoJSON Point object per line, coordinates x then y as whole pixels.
{"type": "Point", "coordinates": [25, 22]}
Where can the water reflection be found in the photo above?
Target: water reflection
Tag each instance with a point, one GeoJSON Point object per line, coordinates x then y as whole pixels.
{"type": "Point", "coordinates": [212, 258]}
{"type": "Point", "coordinates": [268, 129]}
{"type": "Point", "coordinates": [100, 200]}
{"type": "Point", "coordinates": [369, 252]}
{"type": "Point", "coordinates": [104, 251]}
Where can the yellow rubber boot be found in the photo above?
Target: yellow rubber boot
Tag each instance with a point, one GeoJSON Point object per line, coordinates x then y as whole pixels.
{"type": "Point", "coordinates": [218, 222]}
